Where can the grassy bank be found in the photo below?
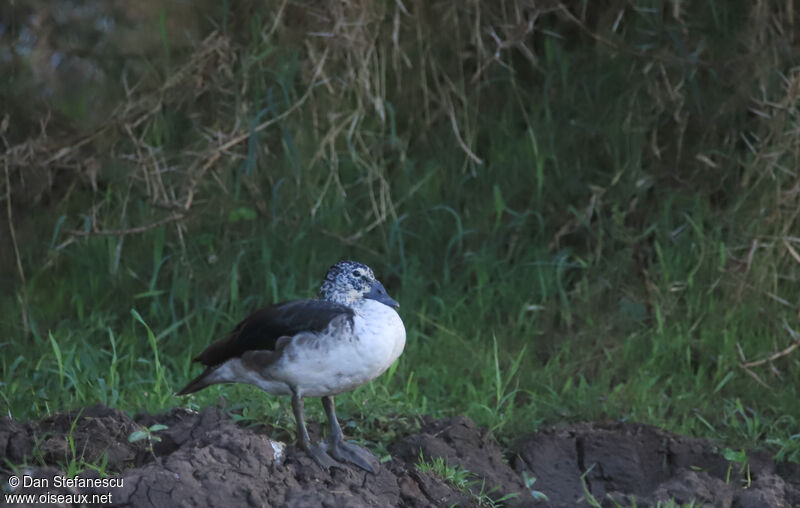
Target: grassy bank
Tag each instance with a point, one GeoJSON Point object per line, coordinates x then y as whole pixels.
{"type": "Point", "coordinates": [587, 212]}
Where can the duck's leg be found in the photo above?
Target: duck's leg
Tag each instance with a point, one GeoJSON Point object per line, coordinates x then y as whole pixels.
{"type": "Point", "coordinates": [340, 449]}
{"type": "Point", "coordinates": [316, 452]}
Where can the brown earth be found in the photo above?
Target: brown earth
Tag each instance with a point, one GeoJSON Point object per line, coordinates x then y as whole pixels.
{"type": "Point", "coordinates": [206, 459]}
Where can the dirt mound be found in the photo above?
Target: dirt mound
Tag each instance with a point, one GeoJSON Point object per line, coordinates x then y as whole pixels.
{"type": "Point", "coordinates": [206, 459]}
{"type": "Point", "coordinates": [622, 462]}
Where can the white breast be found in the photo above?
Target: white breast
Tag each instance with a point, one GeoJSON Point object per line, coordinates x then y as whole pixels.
{"type": "Point", "coordinates": [342, 358]}
{"type": "Point", "coordinates": [380, 335]}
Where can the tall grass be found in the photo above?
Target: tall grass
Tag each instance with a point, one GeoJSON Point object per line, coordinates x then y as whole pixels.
{"type": "Point", "coordinates": [585, 214]}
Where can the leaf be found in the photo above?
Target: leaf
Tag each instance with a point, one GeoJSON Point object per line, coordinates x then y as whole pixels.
{"type": "Point", "coordinates": [137, 436]}
{"type": "Point", "coordinates": [499, 205]}
{"type": "Point", "coordinates": [241, 214]}
{"type": "Point", "coordinates": [157, 427]}
{"type": "Point", "coordinates": [734, 456]}
{"type": "Point", "coordinates": [56, 229]}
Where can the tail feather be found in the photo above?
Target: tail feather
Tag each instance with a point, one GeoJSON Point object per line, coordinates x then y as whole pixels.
{"type": "Point", "coordinates": [200, 382]}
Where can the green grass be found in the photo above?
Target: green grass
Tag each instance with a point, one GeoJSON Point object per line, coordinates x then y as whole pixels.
{"type": "Point", "coordinates": [73, 462]}
{"type": "Point", "coordinates": [627, 232]}
{"type": "Point", "coordinates": [463, 480]}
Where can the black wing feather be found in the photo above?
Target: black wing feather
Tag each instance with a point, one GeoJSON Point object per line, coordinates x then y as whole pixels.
{"type": "Point", "coordinates": [262, 329]}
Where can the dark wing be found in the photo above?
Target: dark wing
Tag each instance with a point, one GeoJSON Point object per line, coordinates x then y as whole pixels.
{"type": "Point", "coordinates": [262, 329]}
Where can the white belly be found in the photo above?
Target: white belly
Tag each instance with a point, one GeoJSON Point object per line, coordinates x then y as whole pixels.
{"type": "Point", "coordinates": [335, 361]}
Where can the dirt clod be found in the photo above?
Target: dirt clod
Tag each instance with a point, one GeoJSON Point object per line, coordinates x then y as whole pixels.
{"type": "Point", "coordinates": [206, 459]}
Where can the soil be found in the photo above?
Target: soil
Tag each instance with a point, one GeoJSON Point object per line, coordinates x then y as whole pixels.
{"type": "Point", "coordinates": [206, 459]}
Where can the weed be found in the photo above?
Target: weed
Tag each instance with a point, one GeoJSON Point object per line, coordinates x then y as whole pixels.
{"type": "Point", "coordinates": [740, 458]}
{"type": "Point", "coordinates": [463, 480]}
{"type": "Point", "coordinates": [149, 434]}
{"type": "Point", "coordinates": [529, 482]}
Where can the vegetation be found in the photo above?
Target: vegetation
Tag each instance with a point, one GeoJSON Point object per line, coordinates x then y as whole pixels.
{"type": "Point", "coordinates": [588, 210]}
{"type": "Point", "coordinates": [466, 482]}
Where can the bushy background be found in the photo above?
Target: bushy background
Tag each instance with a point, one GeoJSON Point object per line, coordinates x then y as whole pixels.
{"type": "Point", "coordinates": [588, 210]}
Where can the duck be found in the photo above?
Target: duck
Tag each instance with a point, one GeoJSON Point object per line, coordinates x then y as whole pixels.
{"type": "Point", "coordinates": [319, 347]}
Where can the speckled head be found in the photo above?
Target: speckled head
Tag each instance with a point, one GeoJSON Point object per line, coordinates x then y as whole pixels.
{"type": "Point", "coordinates": [347, 282]}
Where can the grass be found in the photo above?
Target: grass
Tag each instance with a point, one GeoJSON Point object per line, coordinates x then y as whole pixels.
{"type": "Point", "coordinates": [73, 462]}
{"type": "Point", "coordinates": [595, 224]}
{"type": "Point", "coordinates": [463, 480]}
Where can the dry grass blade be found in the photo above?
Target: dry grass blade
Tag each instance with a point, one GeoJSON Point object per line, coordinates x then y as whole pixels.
{"type": "Point", "coordinates": [748, 365]}
{"type": "Point", "coordinates": [130, 231]}
{"type": "Point", "coordinates": [777, 354]}
{"type": "Point", "coordinates": [13, 235]}
{"type": "Point", "coordinates": [11, 229]}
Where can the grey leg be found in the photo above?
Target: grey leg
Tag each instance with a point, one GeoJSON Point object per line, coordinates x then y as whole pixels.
{"type": "Point", "coordinates": [330, 410]}
{"type": "Point", "coordinates": [340, 449]}
{"type": "Point", "coordinates": [314, 451]}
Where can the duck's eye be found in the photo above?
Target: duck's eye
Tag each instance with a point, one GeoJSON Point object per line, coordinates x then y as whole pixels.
{"type": "Point", "coordinates": [356, 273]}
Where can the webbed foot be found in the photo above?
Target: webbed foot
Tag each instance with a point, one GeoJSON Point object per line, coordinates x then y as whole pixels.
{"type": "Point", "coordinates": [353, 454]}
{"type": "Point", "coordinates": [319, 455]}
